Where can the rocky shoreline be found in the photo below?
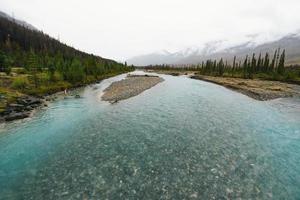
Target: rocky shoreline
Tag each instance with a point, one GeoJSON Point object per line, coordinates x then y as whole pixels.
{"type": "Point", "coordinates": [23, 108]}
{"type": "Point", "coordinates": [133, 85]}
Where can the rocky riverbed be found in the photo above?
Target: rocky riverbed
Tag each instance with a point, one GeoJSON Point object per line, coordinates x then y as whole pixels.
{"type": "Point", "coordinates": [131, 86]}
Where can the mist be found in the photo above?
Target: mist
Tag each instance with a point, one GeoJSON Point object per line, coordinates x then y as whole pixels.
{"type": "Point", "coordinates": [122, 29]}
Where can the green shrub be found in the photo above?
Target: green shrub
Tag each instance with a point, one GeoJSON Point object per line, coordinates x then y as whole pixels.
{"type": "Point", "coordinates": [20, 83]}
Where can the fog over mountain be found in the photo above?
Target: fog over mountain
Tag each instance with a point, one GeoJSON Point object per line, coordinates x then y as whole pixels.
{"type": "Point", "coordinates": [20, 22]}
{"type": "Point", "coordinates": [121, 29]}
{"type": "Point", "coordinates": [221, 49]}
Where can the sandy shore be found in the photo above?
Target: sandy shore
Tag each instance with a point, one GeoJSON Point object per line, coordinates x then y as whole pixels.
{"type": "Point", "coordinates": [131, 86]}
{"type": "Point", "coordinates": [258, 89]}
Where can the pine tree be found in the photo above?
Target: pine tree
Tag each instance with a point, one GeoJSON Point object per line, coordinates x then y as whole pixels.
{"type": "Point", "coordinates": [272, 66]}
{"type": "Point", "coordinates": [233, 65]}
{"type": "Point", "coordinates": [259, 63]}
{"type": "Point", "coordinates": [277, 58]}
{"type": "Point", "coordinates": [5, 63]}
{"type": "Point", "coordinates": [214, 67]}
{"type": "Point", "coordinates": [2, 61]}
{"type": "Point", "coordinates": [245, 67]}
{"type": "Point", "coordinates": [253, 64]}
{"type": "Point", "coordinates": [266, 62]}
{"type": "Point", "coordinates": [221, 67]}
{"type": "Point", "coordinates": [280, 68]}
{"type": "Point", "coordinates": [32, 66]}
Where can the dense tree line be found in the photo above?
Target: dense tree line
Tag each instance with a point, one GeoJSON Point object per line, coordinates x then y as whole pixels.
{"type": "Point", "coordinates": [262, 66]}
{"type": "Point", "coordinates": [37, 52]}
{"type": "Point", "coordinates": [249, 67]}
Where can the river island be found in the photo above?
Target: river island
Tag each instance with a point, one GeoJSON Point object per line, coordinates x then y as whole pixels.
{"type": "Point", "coordinates": [131, 86]}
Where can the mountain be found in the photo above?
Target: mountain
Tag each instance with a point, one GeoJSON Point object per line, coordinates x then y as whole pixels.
{"type": "Point", "coordinates": [17, 21]}
{"type": "Point", "coordinates": [216, 50]}
{"type": "Point", "coordinates": [24, 47]}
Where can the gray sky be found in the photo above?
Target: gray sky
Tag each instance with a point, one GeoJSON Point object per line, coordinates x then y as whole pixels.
{"type": "Point", "coordinates": [120, 29]}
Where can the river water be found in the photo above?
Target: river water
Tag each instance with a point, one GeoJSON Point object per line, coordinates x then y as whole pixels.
{"type": "Point", "coordinates": [182, 139]}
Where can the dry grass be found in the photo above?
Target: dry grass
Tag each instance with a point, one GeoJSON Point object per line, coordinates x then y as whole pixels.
{"type": "Point", "coordinates": [257, 89]}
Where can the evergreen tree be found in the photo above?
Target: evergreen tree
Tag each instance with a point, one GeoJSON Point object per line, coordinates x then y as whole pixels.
{"type": "Point", "coordinates": [221, 67]}
{"type": "Point", "coordinates": [245, 67]}
{"type": "Point", "coordinates": [32, 66]}
{"type": "Point", "coordinates": [266, 62]}
{"type": "Point", "coordinates": [272, 66]}
{"type": "Point", "coordinates": [280, 68]}
{"type": "Point", "coordinates": [5, 63]}
{"type": "Point", "coordinates": [2, 61]}
{"type": "Point", "coordinates": [75, 71]}
{"type": "Point", "coordinates": [277, 58]}
{"type": "Point", "coordinates": [234, 60]}
{"type": "Point", "coordinates": [253, 65]}
{"type": "Point", "coordinates": [259, 63]}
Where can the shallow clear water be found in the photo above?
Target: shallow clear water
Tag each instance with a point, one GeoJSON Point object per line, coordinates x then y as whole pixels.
{"type": "Point", "coordinates": [182, 139]}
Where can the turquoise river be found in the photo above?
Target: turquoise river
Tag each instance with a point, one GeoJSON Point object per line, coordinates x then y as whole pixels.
{"type": "Point", "coordinates": [182, 139]}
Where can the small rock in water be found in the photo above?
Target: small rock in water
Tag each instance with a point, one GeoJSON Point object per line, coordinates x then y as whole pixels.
{"type": "Point", "coordinates": [229, 191]}
{"type": "Point", "coordinates": [194, 195]}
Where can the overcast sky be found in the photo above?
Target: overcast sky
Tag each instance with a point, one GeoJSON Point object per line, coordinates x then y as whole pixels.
{"type": "Point", "coordinates": [120, 29]}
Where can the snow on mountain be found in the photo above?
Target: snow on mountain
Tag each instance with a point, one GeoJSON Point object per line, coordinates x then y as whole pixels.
{"type": "Point", "coordinates": [224, 49]}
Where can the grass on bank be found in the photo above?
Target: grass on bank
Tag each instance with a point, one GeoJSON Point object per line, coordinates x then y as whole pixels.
{"type": "Point", "coordinates": [20, 83]}
{"type": "Point", "coordinates": [291, 74]}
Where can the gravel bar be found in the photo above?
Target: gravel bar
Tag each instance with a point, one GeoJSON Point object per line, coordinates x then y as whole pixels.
{"type": "Point", "coordinates": [133, 85]}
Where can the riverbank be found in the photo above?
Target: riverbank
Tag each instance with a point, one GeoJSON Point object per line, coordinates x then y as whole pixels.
{"type": "Point", "coordinates": [172, 72]}
{"type": "Point", "coordinates": [258, 89]}
{"type": "Point", "coordinates": [15, 105]}
{"type": "Point", "coordinates": [133, 85]}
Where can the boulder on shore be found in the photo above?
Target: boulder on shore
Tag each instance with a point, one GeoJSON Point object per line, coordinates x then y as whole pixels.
{"type": "Point", "coordinates": [21, 109]}
{"type": "Point", "coordinates": [15, 116]}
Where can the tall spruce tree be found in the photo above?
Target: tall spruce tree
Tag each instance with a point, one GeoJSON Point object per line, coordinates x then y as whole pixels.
{"type": "Point", "coordinates": [277, 58]}
{"type": "Point", "coordinates": [280, 68]}
{"type": "Point", "coordinates": [32, 66]}
{"type": "Point", "coordinates": [221, 67]}
{"type": "Point", "coordinates": [245, 67]}
{"type": "Point", "coordinates": [259, 63]}
{"type": "Point", "coordinates": [253, 64]}
{"type": "Point", "coordinates": [272, 66]}
{"type": "Point", "coordinates": [266, 62]}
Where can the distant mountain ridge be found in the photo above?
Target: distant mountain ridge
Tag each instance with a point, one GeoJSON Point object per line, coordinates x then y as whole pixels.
{"type": "Point", "coordinates": [214, 50]}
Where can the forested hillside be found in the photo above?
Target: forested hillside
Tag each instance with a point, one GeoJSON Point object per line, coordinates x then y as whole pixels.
{"type": "Point", "coordinates": [36, 51]}
{"type": "Point", "coordinates": [31, 62]}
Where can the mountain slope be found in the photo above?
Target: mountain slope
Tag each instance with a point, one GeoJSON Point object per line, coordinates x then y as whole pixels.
{"type": "Point", "coordinates": [17, 21]}
{"type": "Point", "coordinates": [18, 37]}
{"type": "Point", "coordinates": [48, 64]}
{"type": "Point", "coordinates": [291, 43]}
